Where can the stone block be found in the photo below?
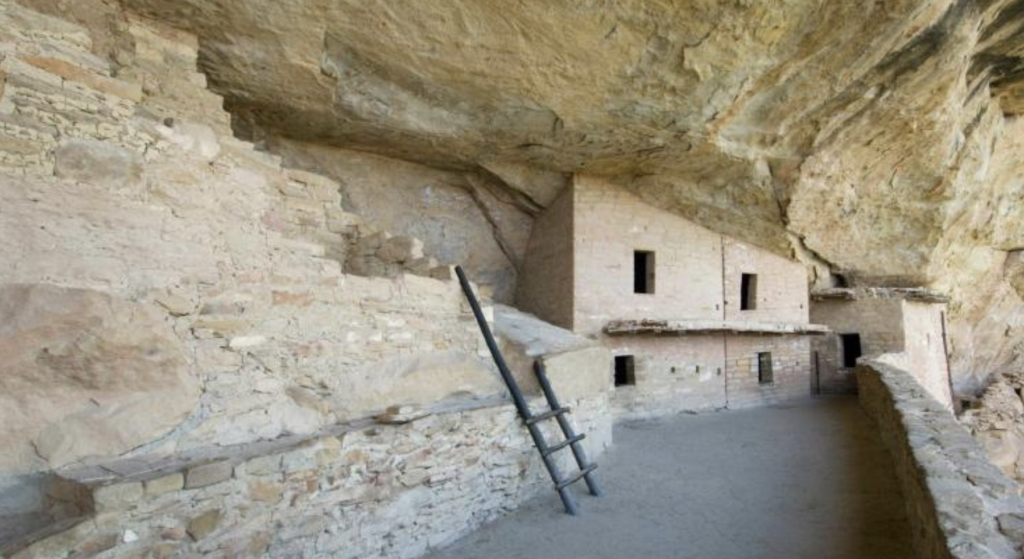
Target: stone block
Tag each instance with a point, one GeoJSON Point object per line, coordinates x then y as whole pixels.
{"type": "Point", "coordinates": [174, 533]}
{"type": "Point", "coordinates": [368, 245]}
{"type": "Point", "coordinates": [421, 266]}
{"type": "Point", "coordinates": [92, 80]}
{"type": "Point", "coordinates": [204, 524]}
{"type": "Point", "coordinates": [261, 466]}
{"type": "Point", "coordinates": [117, 496]}
{"type": "Point", "coordinates": [266, 491]}
{"type": "Point", "coordinates": [443, 273]}
{"type": "Point", "coordinates": [165, 484]}
{"type": "Point", "coordinates": [303, 528]}
{"type": "Point", "coordinates": [400, 249]}
{"type": "Point", "coordinates": [296, 246]}
{"type": "Point", "coordinates": [175, 304]}
{"type": "Point", "coordinates": [241, 342]}
{"type": "Point", "coordinates": [165, 550]}
{"type": "Point", "coordinates": [97, 544]}
{"type": "Point", "coordinates": [300, 459]}
{"type": "Point", "coordinates": [98, 163]}
{"type": "Point", "coordinates": [220, 327]}
{"type": "Point", "coordinates": [208, 474]}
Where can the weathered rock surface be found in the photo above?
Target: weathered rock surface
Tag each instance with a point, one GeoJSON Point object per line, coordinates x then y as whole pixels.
{"type": "Point", "coordinates": [461, 219]}
{"type": "Point", "coordinates": [83, 373]}
{"type": "Point", "coordinates": [996, 420]}
{"type": "Point", "coordinates": [880, 141]}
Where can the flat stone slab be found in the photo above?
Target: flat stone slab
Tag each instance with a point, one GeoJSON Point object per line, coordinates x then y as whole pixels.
{"type": "Point", "coordinates": [704, 326]}
{"type": "Point", "coordinates": [853, 294]}
{"type": "Point", "coordinates": [537, 337]}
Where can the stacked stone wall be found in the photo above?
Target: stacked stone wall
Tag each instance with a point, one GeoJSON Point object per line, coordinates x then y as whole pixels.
{"type": "Point", "coordinates": [149, 199]}
{"type": "Point", "coordinates": [910, 332]}
{"type": "Point", "coordinates": [546, 284]}
{"type": "Point", "coordinates": [697, 276]}
{"type": "Point", "coordinates": [356, 491]}
{"type": "Point", "coordinates": [130, 211]}
{"type": "Point", "coordinates": [672, 374]}
{"type": "Point", "coordinates": [609, 225]}
{"type": "Point", "coordinates": [925, 347]}
{"type": "Point", "coordinates": [780, 294]}
{"type": "Point", "coordinates": [790, 357]}
{"type": "Point", "coordinates": [879, 321]}
{"type": "Point", "coordinates": [959, 504]}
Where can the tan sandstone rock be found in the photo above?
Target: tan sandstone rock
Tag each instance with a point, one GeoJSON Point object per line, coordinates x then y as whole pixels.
{"type": "Point", "coordinates": [877, 140]}
{"type": "Point", "coordinates": [83, 373]}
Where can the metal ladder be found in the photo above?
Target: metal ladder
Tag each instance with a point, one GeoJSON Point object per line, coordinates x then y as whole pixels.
{"type": "Point", "coordinates": [558, 412]}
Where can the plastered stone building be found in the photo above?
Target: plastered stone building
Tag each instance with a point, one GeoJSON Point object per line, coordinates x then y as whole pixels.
{"type": "Point", "coordinates": [906, 325]}
{"type": "Point", "coordinates": [694, 320]}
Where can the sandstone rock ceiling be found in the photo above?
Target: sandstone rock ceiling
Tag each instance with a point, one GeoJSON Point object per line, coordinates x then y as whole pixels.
{"type": "Point", "coordinates": [881, 139]}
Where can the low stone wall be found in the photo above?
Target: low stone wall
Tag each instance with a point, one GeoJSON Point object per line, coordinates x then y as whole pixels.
{"type": "Point", "coordinates": [354, 491]}
{"type": "Point", "coordinates": [959, 505]}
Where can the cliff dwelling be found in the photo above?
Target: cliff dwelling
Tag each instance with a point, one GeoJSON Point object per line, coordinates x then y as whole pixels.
{"type": "Point", "coordinates": [366, 279]}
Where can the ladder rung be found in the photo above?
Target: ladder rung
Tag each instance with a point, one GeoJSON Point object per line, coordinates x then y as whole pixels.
{"type": "Point", "coordinates": [565, 443]}
{"type": "Point", "coordinates": [579, 475]}
{"type": "Point", "coordinates": [546, 415]}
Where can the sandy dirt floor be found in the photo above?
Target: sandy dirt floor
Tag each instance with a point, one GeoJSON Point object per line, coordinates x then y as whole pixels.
{"type": "Point", "coordinates": [810, 480]}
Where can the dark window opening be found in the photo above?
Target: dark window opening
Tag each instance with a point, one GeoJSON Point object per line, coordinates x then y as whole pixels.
{"type": "Point", "coordinates": [643, 271]}
{"type": "Point", "coordinates": [748, 292]}
{"type": "Point", "coordinates": [839, 280]}
{"type": "Point", "coordinates": [765, 375]}
{"type": "Point", "coordinates": [851, 349]}
{"type": "Point", "coordinates": [625, 370]}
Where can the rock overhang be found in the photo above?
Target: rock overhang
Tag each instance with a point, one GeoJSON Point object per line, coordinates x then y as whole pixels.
{"type": "Point", "coordinates": [878, 141]}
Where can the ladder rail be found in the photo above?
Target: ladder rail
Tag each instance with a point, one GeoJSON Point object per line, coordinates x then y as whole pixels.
{"type": "Point", "coordinates": [492, 345]}
{"type": "Point", "coordinates": [517, 394]}
{"type": "Point", "coordinates": [567, 429]}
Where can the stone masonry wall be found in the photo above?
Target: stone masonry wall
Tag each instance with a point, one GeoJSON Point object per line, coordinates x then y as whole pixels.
{"type": "Point", "coordinates": [959, 504]}
{"type": "Point", "coordinates": [879, 322]}
{"type": "Point", "coordinates": [696, 277]}
{"type": "Point", "coordinates": [790, 365]}
{"type": "Point", "coordinates": [545, 286]}
{"type": "Point", "coordinates": [609, 224]}
{"type": "Point", "coordinates": [925, 348]}
{"type": "Point", "coordinates": [672, 374]}
{"type": "Point", "coordinates": [356, 491]}
{"type": "Point", "coordinates": [781, 290]}
{"type": "Point", "coordinates": [910, 332]}
{"type": "Point", "coordinates": [148, 198]}
{"type": "Point", "coordinates": [134, 219]}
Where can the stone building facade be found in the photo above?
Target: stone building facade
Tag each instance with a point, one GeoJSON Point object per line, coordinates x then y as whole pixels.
{"type": "Point", "coordinates": [905, 325]}
{"type": "Point", "coordinates": [694, 320]}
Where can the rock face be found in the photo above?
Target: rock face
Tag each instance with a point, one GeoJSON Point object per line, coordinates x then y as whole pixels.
{"type": "Point", "coordinates": [461, 218]}
{"type": "Point", "coordinates": [83, 373]}
{"type": "Point", "coordinates": [997, 421]}
{"type": "Point", "coordinates": [880, 141]}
